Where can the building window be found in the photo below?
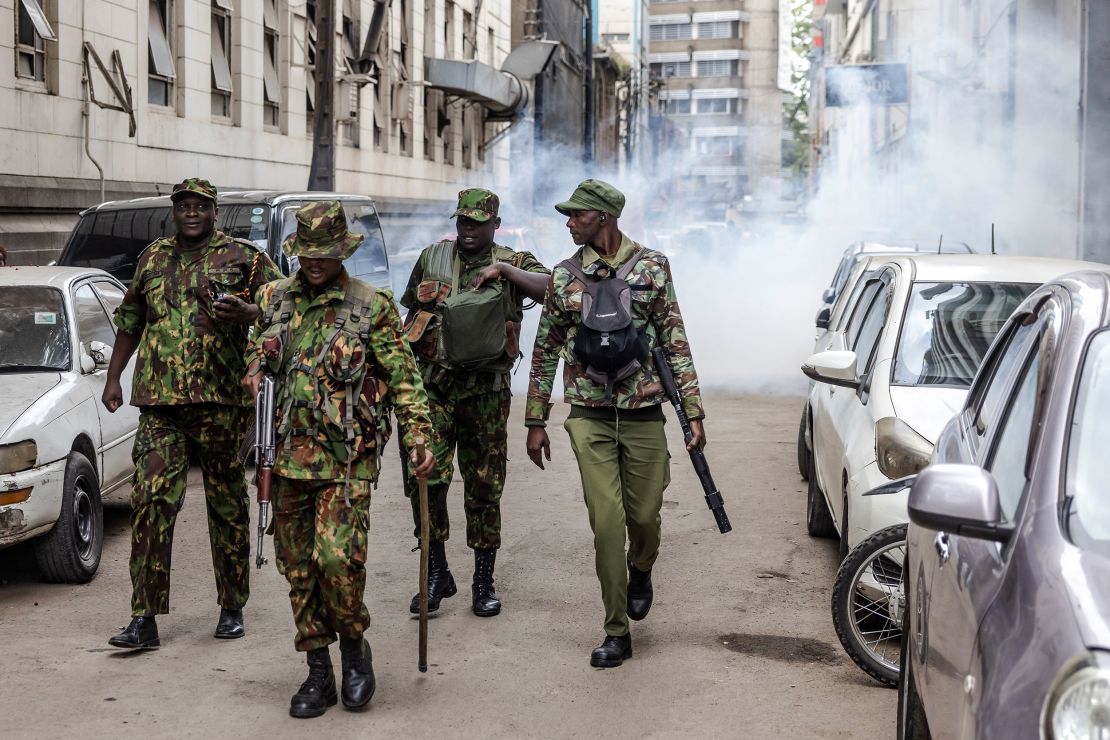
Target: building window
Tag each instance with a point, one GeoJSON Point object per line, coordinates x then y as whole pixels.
{"type": "Point", "coordinates": [221, 58]}
{"type": "Point", "coordinates": [670, 32]}
{"type": "Point", "coordinates": [676, 107]}
{"type": "Point", "coordinates": [717, 105]}
{"type": "Point", "coordinates": [310, 65]}
{"type": "Point", "coordinates": [717, 68]}
{"type": "Point", "coordinates": [33, 31]}
{"type": "Point", "coordinates": [718, 30]}
{"type": "Point", "coordinates": [161, 71]}
{"type": "Point", "coordinates": [351, 93]}
{"type": "Point", "coordinates": [716, 146]}
{"type": "Point", "coordinates": [271, 85]}
{"type": "Point", "coordinates": [614, 38]}
{"type": "Point", "coordinates": [670, 69]}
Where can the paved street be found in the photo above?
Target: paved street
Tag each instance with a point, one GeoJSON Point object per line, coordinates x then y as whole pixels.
{"type": "Point", "coordinates": [739, 642]}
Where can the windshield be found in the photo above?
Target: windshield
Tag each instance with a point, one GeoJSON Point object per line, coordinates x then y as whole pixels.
{"type": "Point", "coordinates": [361, 219]}
{"type": "Point", "coordinates": [112, 240]}
{"type": "Point", "coordinates": [949, 327]}
{"type": "Point", "coordinates": [1088, 514]}
{"type": "Point", "coordinates": [33, 333]}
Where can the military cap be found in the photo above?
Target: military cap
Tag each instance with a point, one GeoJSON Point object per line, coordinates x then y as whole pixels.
{"type": "Point", "coordinates": [477, 204]}
{"type": "Point", "coordinates": [593, 195]}
{"type": "Point", "coordinates": [194, 186]}
{"type": "Point", "coordinates": [322, 232]}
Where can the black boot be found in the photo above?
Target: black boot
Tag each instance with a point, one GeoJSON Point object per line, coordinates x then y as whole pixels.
{"type": "Point", "coordinates": [611, 652]}
{"type": "Point", "coordinates": [358, 672]}
{"type": "Point", "coordinates": [141, 633]}
{"type": "Point", "coordinates": [230, 625]}
{"type": "Point", "coordinates": [441, 584]}
{"type": "Point", "coordinates": [486, 603]}
{"type": "Point", "coordinates": [317, 693]}
{"type": "Point", "coordinates": [640, 593]}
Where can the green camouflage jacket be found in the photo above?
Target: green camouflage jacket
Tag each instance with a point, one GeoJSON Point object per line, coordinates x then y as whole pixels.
{"type": "Point", "coordinates": [654, 311]}
{"type": "Point", "coordinates": [306, 360]}
{"type": "Point", "coordinates": [424, 291]}
{"type": "Point", "coordinates": [185, 354]}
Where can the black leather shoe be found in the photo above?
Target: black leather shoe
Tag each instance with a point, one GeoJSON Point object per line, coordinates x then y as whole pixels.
{"type": "Point", "coordinates": [484, 601]}
{"type": "Point", "coordinates": [441, 584]}
{"type": "Point", "coordinates": [317, 693]}
{"type": "Point", "coordinates": [640, 593]}
{"type": "Point", "coordinates": [358, 672]}
{"type": "Point", "coordinates": [230, 625]}
{"type": "Point", "coordinates": [612, 651]}
{"type": "Point", "coordinates": [142, 633]}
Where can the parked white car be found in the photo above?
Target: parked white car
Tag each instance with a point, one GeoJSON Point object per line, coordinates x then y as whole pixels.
{"type": "Point", "coordinates": [897, 371]}
{"type": "Point", "coordinates": [60, 449]}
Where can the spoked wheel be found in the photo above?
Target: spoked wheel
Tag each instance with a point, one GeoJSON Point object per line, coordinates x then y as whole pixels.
{"type": "Point", "coordinates": [868, 604]}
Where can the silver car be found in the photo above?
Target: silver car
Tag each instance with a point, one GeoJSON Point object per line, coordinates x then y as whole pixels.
{"type": "Point", "coordinates": [1008, 567]}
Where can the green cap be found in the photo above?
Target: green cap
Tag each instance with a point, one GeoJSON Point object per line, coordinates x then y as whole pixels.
{"type": "Point", "coordinates": [322, 232]}
{"type": "Point", "coordinates": [477, 204]}
{"type": "Point", "coordinates": [593, 195]}
{"type": "Point", "coordinates": [194, 186]}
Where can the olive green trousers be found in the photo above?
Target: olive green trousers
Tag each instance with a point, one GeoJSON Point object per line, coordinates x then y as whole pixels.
{"type": "Point", "coordinates": [625, 468]}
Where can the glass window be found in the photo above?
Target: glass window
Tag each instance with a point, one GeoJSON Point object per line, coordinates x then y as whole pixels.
{"type": "Point", "coordinates": [1011, 449]}
{"type": "Point", "coordinates": [271, 87]}
{"type": "Point", "coordinates": [717, 30]}
{"type": "Point", "coordinates": [859, 311]}
{"type": "Point", "coordinates": [1001, 376]}
{"type": "Point", "coordinates": [99, 242]}
{"type": "Point", "coordinates": [948, 329]}
{"type": "Point", "coordinates": [674, 106]}
{"type": "Point", "coordinates": [1088, 466]}
{"type": "Point", "coordinates": [93, 325]}
{"type": "Point", "coordinates": [32, 32]}
{"type": "Point", "coordinates": [33, 334]}
{"type": "Point", "coordinates": [670, 32]}
{"type": "Point", "coordinates": [249, 221]}
{"type": "Point", "coordinates": [717, 68]}
{"type": "Point", "coordinates": [161, 70]}
{"type": "Point", "coordinates": [110, 294]}
{"type": "Point", "coordinates": [670, 69]}
{"type": "Point", "coordinates": [221, 59]}
{"type": "Point", "coordinates": [870, 331]}
{"type": "Point", "coordinates": [362, 218]}
{"type": "Point", "coordinates": [845, 301]}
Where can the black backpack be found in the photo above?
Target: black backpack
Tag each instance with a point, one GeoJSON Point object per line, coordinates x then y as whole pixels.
{"type": "Point", "coordinates": [607, 343]}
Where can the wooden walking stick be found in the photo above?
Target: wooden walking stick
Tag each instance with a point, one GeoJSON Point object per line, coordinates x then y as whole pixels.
{"type": "Point", "coordinates": [425, 534]}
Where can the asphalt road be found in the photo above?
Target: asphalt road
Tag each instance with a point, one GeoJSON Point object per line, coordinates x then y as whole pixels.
{"type": "Point", "coordinates": [739, 643]}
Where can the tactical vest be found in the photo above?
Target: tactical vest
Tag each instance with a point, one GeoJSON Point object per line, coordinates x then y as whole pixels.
{"type": "Point", "coordinates": [349, 411]}
{"type": "Point", "coordinates": [450, 320]}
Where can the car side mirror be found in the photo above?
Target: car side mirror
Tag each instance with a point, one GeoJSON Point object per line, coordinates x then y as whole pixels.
{"type": "Point", "coordinates": [88, 364]}
{"type": "Point", "coordinates": [835, 367]}
{"type": "Point", "coordinates": [828, 295]}
{"type": "Point", "coordinates": [823, 317]}
{"type": "Point", "coordinates": [959, 499]}
{"type": "Point", "coordinates": [101, 354]}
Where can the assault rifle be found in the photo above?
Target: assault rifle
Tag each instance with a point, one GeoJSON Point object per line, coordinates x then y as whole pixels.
{"type": "Point", "coordinates": [264, 451]}
{"type": "Point", "coordinates": [713, 497]}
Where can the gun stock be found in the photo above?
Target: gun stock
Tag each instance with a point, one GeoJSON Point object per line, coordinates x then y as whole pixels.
{"type": "Point", "coordinates": [713, 498]}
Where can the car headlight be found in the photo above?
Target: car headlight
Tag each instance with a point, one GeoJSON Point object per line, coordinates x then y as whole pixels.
{"type": "Point", "coordinates": [1079, 704]}
{"type": "Point", "coordinates": [18, 456]}
{"type": "Point", "coordinates": [900, 450]}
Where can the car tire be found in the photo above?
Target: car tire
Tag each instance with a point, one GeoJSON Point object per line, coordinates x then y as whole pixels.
{"type": "Point", "coordinates": [819, 521]}
{"type": "Point", "coordinates": [868, 601]}
{"type": "Point", "coordinates": [803, 449]}
{"type": "Point", "coordinates": [70, 552]}
{"type": "Point", "coordinates": [912, 723]}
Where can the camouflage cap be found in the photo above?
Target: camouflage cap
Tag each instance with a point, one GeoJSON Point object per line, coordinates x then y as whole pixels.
{"type": "Point", "coordinates": [194, 186]}
{"type": "Point", "coordinates": [477, 204]}
{"type": "Point", "coordinates": [322, 232]}
{"type": "Point", "coordinates": [593, 195]}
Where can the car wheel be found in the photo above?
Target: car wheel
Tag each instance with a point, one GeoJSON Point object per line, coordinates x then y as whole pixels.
{"type": "Point", "coordinates": [912, 724]}
{"type": "Point", "coordinates": [70, 552]}
{"type": "Point", "coordinates": [819, 521]}
{"type": "Point", "coordinates": [803, 450]}
{"type": "Point", "coordinates": [868, 604]}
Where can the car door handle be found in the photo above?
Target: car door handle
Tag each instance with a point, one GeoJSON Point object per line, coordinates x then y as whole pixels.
{"type": "Point", "coordinates": [940, 543]}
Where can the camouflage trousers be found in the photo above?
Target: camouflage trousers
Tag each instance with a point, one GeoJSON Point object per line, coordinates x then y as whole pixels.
{"type": "Point", "coordinates": [478, 426]}
{"type": "Point", "coordinates": [320, 548]}
{"type": "Point", "coordinates": [168, 440]}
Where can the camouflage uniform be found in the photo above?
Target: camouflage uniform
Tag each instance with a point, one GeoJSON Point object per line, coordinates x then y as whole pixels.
{"type": "Point", "coordinates": [470, 408]}
{"type": "Point", "coordinates": [620, 446]}
{"type": "Point", "coordinates": [192, 408]}
{"type": "Point", "coordinates": [322, 476]}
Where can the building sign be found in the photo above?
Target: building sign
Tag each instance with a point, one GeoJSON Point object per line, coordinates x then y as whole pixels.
{"type": "Point", "coordinates": [867, 84]}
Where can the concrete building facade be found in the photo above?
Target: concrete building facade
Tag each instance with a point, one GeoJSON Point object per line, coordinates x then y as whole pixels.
{"type": "Point", "coordinates": [142, 93]}
{"type": "Point", "coordinates": [623, 33]}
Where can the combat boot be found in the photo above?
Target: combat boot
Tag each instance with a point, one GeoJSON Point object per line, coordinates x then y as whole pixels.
{"type": "Point", "coordinates": [640, 592]}
{"type": "Point", "coordinates": [317, 693]}
{"type": "Point", "coordinates": [141, 633]}
{"type": "Point", "coordinates": [358, 672]}
{"type": "Point", "coordinates": [441, 584]}
{"type": "Point", "coordinates": [612, 651]}
{"type": "Point", "coordinates": [486, 603]}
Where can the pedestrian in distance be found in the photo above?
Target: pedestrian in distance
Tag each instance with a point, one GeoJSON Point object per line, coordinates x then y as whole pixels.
{"type": "Point", "coordinates": [335, 348]}
{"type": "Point", "coordinates": [465, 299]}
{"type": "Point", "coordinates": [607, 307]}
{"type": "Point", "coordinates": [187, 312]}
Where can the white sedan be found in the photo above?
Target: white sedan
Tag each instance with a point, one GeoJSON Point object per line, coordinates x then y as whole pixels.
{"type": "Point", "coordinates": [60, 449]}
{"type": "Point", "coordinates": [897, 371]}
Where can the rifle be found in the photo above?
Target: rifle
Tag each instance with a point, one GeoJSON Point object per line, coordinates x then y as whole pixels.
{"type": "Point", "coordinates": [425, 547]}
{"type": "Point", "coordinates": [713, 497]}
{"type": "Point", "coordinates": [264, 451]}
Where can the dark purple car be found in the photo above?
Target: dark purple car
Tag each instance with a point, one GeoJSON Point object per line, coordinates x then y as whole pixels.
{"type": "Point", "coordinates": [1008, 569]}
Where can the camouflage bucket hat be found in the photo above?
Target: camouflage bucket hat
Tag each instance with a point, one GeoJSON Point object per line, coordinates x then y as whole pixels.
{"type": "Point", "coordinates": [322, 232]}
{"type": "Point", "coordinates": [194, 186]}
{"type": "Point", "coordinates": [593, 195]}
{"type": "Point", "coordinates": [477, 204]}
